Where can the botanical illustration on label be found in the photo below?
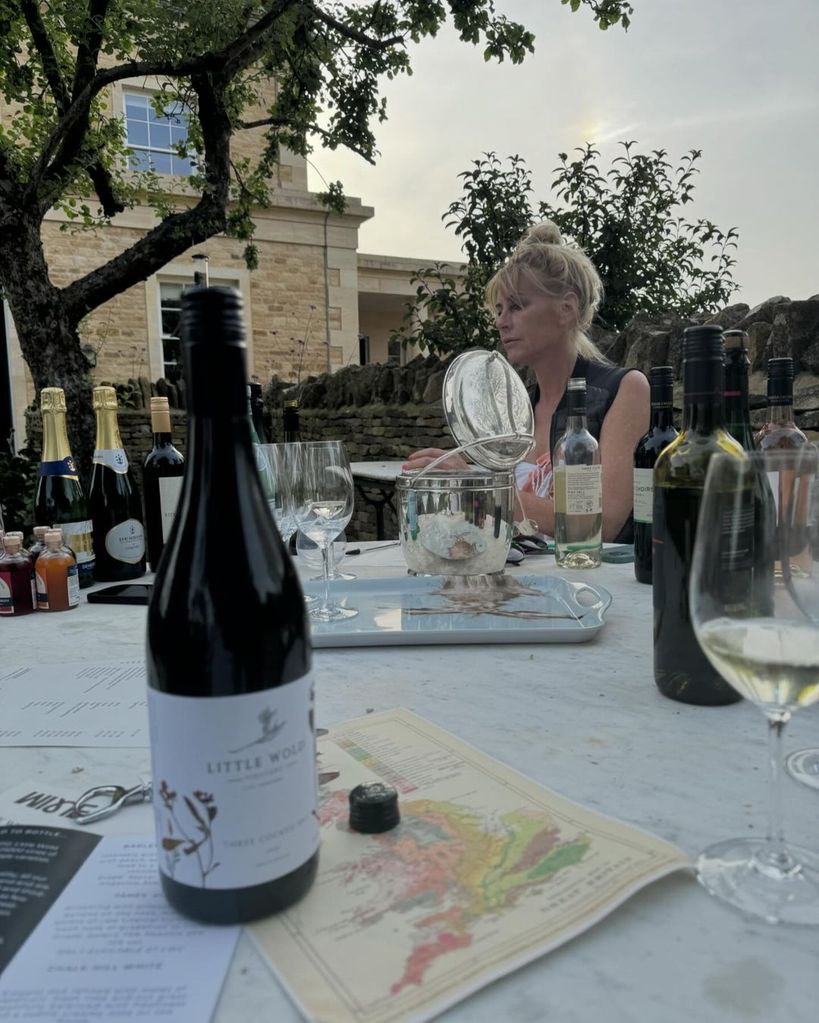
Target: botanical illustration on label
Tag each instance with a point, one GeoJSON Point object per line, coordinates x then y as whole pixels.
{"type": "Point", "coordinates": [236, 803]}
{"type": "Point", "coordinates": [6, 602]}
{"type": "Point", "coordinates": [126, 541]}
{"type": "Point", "coordinates": [584, 491]}
{"type": "Point", "coordinates": [60, 467]}
{"type": "Point", "coordinates": [114, 458]}
{"type": "Point", "coordinates": [643, 495]}
{"type": "Point", "coordinates": [79, 537]}
{"type": "Point", "coordinates": [170, 487]}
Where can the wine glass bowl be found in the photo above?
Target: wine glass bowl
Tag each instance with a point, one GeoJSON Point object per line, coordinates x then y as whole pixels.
{"type": "Point", "coordinates": [754, 600]}
{"type": "Point", "coordinates": [322, 487]}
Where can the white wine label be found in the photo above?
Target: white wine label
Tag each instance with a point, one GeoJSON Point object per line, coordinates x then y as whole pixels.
{"type": "Point", "coordinates": [114, 458]}
{"type": "Point", "coordinates": [643, 495]}
{"type": "Point", "coordinates": [126, 541]}
{"type": "Point", "coordinates": [79, 537]}
{"type": "Point", "coordinates": [73, 586]}
{"type": "Point", "coordinates": [170, 487]}
{"type": "Point", "coordinates": [234, 785]}
{"type": "Point", "coordinates": [584, 489]}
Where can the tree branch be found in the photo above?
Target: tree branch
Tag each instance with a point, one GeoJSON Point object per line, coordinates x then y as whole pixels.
{"type": "Point", "coordinates": [359, 37]}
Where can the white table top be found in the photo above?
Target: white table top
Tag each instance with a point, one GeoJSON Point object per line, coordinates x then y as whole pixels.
{"type": "Point", "coordinates": [381, 472]}
{"type": "Point", "coordinates": [585, 720]}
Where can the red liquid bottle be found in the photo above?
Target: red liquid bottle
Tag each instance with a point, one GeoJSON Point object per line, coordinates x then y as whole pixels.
{"type": "Point", "coordinates": [16, 586]}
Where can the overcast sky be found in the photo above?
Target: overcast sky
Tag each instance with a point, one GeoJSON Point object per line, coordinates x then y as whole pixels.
{"type": "Point", "coordinates": [738, 79]}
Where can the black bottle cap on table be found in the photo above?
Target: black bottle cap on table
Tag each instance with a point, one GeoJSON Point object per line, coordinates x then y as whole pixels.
{"type": "Point", "coordinates": [212, 315]}
{"type": "Point", "coordinates": [374, 808]}
{"type": "Point", "coordinates": [662, 376]}
{"type": "Point", "coordinates": [780, 369]}
{"type": "Point", "coordinates": [780, 381]}
{"type": "Point", "coordinates": [703, 343]}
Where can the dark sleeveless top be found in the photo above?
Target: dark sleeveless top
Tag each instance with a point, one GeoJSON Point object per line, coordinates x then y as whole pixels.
{"type": "Point", "coordinates": [602, 385]}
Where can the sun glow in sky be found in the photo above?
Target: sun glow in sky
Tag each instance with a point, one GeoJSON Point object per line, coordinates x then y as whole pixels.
{"type": "Point", "coordinates": [738, 79]}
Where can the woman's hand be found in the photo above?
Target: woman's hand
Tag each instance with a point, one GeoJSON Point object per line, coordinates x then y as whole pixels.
{"type": "Point", "coordinates": [421, 459]}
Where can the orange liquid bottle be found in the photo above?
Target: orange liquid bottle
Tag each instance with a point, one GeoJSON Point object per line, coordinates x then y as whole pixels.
{"type": "Point", "coordinates": [58, 587]}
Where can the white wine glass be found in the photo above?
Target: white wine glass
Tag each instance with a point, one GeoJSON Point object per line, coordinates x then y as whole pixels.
{"type": "Point", "coordinates": [323, 503]}
{"type": "Point", "coordinates": [755, 611]}
{"type": "Point", "coordinates": [282, 465]}
{"type": "Point", "coordinates": [309, 551]}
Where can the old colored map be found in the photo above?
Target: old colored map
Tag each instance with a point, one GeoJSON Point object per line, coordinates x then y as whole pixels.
{"type": "Point", "coordinates": [485, 872]}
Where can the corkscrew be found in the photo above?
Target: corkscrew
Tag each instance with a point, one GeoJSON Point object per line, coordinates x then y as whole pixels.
{"type": "Point", "coordinates": [118, 796]}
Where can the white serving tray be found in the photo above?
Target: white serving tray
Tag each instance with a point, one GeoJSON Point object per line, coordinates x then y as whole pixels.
{"type": "Point", "coordinates": [436, 609]}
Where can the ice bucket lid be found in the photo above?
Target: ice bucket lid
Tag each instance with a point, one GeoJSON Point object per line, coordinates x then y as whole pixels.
{"type": "Point", "coordinates": [484, 398]}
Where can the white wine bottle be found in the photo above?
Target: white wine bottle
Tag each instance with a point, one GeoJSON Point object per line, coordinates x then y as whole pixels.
{"type": "Point", "coordinates": [578, 487]}
{"type": "Point", "coordinates": [228, 659]}
{"type": "Point", "coordinates": [60, 499]}
{"type": "Point", "coordinates": [116, 509]}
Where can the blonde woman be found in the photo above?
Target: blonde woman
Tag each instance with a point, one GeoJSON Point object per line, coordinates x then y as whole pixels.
{"type": "Point", "coordinates": [544, 299]}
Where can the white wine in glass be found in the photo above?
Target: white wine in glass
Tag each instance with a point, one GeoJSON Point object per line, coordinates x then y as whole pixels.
{"type": "Point", "coordinates": [760, 630]}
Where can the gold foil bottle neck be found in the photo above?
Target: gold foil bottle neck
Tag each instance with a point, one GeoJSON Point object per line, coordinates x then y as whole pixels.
{"type": "Point", "coordinates": [52, 399]}
{"type": "Point", "coordinates": [105, 398]}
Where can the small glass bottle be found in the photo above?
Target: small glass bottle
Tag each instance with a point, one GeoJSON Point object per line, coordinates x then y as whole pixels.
{"type": "Point", "coordinates": [38, 546]}
{"type": "Point", "coordinates": [780, 431]}
{"type": "Point", "coordinates": [578, 487]}
{"type": "Point", "coordinates": [16, 581]}
{"type": "Point", "coordinates": [58, 588]}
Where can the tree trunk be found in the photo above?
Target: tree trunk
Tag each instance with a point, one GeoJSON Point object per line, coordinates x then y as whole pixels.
{"type": "Point", "coordinates": [48, 338]}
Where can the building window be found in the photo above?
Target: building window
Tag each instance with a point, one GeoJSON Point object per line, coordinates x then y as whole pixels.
{"type": "Point", "coordinates": [393, 352]}
{"type": "Point", "coordinates": [155, 138]}
{"type": "Point", "coordinates": [170, 306]}
{"type": "Point", "coordinates": [363, 349]}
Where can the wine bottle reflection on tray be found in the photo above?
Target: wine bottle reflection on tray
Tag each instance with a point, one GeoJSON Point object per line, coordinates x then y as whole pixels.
{"type": "Point", "coordinates": [228, 659]}
{"type": "Point", "coordinates": [660, 434]}
{"type": "Point", "coordinates": [681, 670]}
{"type": "Point", "coordinates": [116, 509]}
{"type": "Point", "coordinates": [60, 499]}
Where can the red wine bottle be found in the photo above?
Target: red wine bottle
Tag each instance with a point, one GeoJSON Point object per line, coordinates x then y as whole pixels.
{"type": "Point", "coordinates": [228, 659]}
{"type": "Point", "coordinates": [161, 481]}
{"type": "Point", "coordinates": [660, 434]}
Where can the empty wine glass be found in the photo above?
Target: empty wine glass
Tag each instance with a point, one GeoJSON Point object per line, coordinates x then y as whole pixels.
{"type": "Point", "coordinates": [322, 487]}
{"type": "Point", "coordinates": [310, 552]}
{"type": "Point", "coordinates": [755, 611]}
{"type": "Point", "coordinates": [282, 467]}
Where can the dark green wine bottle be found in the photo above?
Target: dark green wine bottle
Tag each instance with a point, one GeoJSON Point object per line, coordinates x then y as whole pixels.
{"type": "Point", "coordinates": [161, 481]}
{"type": "Point", "coordinates": [228, 659]}
{"type": "Point", "coordinates": [60, 499]}
{"type": "Point", "coordinates": [681, 670]}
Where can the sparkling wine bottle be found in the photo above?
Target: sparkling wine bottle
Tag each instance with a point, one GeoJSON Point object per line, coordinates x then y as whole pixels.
{"type": "Point", "coordinates": [578, 487]}
{"type": "Point", "coordinates": [161, 481]}
{"type": "Point", "coordinates": [116, 509]}
{"type": "Point", "coordinates": [60, 499]}
{"type": "Point", "coordinates": [228, 659]}
{"type": "Point", "coordinates": [660, 434]}
{"type": "Point", "coordinates": [681, 670]}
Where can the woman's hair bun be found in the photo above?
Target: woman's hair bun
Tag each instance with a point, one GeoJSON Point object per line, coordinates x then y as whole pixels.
{"type": "Point", "coordinates": [545, 233]}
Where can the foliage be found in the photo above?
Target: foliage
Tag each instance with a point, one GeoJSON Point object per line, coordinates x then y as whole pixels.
{"type": "Point", "coordinates": [18, 485]}
{"type": "Point", "coordinates": [62, 145]}
{"type": "Point", "coordinates": [649, 257]}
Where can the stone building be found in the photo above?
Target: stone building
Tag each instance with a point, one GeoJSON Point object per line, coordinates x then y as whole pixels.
{"type": "Point", "coordinates": [315, 303]}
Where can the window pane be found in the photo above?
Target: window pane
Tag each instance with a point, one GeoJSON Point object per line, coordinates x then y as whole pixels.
{"type": "Point", "coordinates": [170, 293]}
{"type": "Point", "coordinates": [170, 322]}
{"type": "Point", "coordinates": [179, 133]}
{"type": "Point", "coordinates": [139, 160]}
{"type": "Point", "coordinates": [161, 162]}
{"type": "Point", "coordinates": [182, 166]}
{"type": "Point", "coordinates": [154, 117]}
{"type": "Point", "coordinates": [137, 133]}
{"type": "Point", "coordinates": [136, 108]}
{"type": "Point", "coordinates": [160, 136]}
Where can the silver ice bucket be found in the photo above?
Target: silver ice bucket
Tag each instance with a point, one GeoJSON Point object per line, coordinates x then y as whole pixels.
{"type": "Point", "coordinates": [455, 522]}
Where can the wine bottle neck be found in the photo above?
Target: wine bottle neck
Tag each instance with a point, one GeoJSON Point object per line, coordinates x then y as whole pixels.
{"type": "Point", "coordinates": [662, 416]}
{"type": "Point", "coordinates": [108, 438]}
{"type": "Point", "coordinates": [780, 413]}
{"type": "Point", "coordinates": [161, 423]}
{"type": "Point", "coordinates": [55, 437]}
{"type": "Point", "coordinates": [575, 422]}
{"type": "Point", "coordinates": [703, 401]}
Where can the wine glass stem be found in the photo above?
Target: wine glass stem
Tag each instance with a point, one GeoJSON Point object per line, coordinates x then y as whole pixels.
{"type": "Point", "coordinates": [776, 854]}
{"type": "Point", "coordinates": [325, 566]}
